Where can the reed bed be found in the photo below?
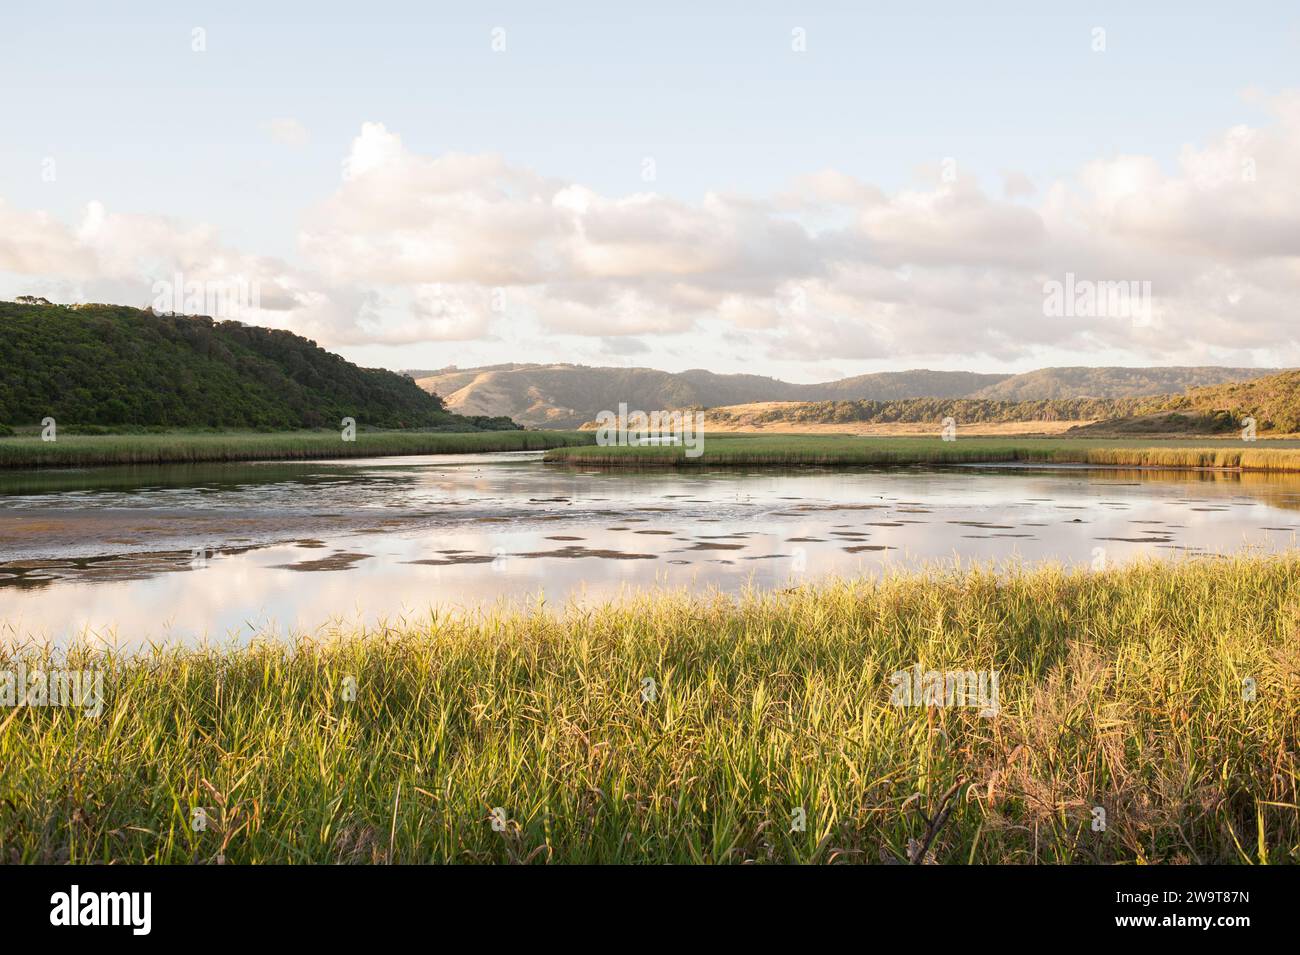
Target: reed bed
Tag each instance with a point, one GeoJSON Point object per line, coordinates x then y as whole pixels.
{"type": "Point", "coordinates": [72, 450]}
{"type": "Point", "coordinates": [842, 450]}
{"type": "Point", "coordinates": [534, 737]}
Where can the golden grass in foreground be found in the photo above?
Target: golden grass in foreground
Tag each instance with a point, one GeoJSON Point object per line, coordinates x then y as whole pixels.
{"type": "Point", "coordinates": [1121, 689]}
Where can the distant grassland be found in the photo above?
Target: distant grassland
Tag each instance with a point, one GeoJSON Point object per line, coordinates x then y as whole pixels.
{"type": "Point", "coordinates": [1168, 694]}
{"type": "Point", "coordinates": [802, 450]}
{"type": "Point", "coordinates": [72, 450]}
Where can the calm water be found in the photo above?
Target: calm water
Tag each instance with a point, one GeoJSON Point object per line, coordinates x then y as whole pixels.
{"type": "Point", "coordinates": [225, 551]}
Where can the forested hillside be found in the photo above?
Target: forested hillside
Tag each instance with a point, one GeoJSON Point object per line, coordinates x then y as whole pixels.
{"type": "Point", "coordinates": [1274, 401]}
{"type": "Point", "coordinates": [919, 410]}
{"type": "Point", "coordinates": [111, 365]}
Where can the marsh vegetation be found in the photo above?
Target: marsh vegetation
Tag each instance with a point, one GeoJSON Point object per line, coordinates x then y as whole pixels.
{"type": "Point", "coordinates": [1164, 693]}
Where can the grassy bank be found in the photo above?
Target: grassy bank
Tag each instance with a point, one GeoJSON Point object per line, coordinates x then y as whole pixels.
{"type": "Point", "coordinates": [1121, 689]}
{"type": "Point", "coordinates": [74, 450]}
{"type": "Point", "coordinates": [832, 450]}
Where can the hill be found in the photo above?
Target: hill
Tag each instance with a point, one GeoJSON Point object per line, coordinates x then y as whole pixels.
{"type": "Point", "coordinates": [115, 366]}
{"type": "Point", "coordinates": [900, 385]}
{"type": "Point", "coordinates": [1115, 382]}
{"type": "Point", "coordinates": [565, 395]}
{"type": "Point", "coordinates": [1273, 401]}
{"type": "Point", "coordinates": [919, 415]}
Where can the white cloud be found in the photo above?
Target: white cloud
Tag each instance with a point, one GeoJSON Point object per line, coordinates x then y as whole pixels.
{"type": "Point", "coordinates": [34, 243]}
{"type": "Point", "coordinates": [412, 248]}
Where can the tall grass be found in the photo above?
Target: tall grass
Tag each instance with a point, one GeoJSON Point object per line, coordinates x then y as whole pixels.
{"type": "Point", "coordinates": [842, 450]}
{"type": "Point", "coordinates": [71, 450]}
{"type": "Point", "coordinates": [1121, 690]}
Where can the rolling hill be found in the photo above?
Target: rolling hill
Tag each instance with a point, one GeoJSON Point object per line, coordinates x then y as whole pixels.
{"type": "Point", "coordinates": [564, 395]}
{"type": "Point", "coordinates": [923, 415]}
{"type": "Point", "coordinates": [1273, 401]}
{"type": "Point", "coordinates": [567, 395]}
{"type": "Point", "coordinates": [115, 366]}
{"type": "Point", "coordinates": [1114, 382]}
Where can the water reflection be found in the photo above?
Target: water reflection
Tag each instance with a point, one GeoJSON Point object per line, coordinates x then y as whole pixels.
{"type": "Point", "coordinates": [226, 550]}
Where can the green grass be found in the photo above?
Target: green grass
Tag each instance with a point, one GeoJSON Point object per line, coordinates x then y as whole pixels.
{"type": "Point", "coordinates": [731, 450]}
{"type": "Point", "coordinates": [72, 450]}
{"type": "Point", "coordinates": [1120, 689]}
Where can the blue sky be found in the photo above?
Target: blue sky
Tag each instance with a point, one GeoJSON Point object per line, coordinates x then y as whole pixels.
{"type": "Point", "coordinates": [141, 123]}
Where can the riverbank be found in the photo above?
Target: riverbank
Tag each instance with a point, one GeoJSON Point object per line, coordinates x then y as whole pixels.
{"type": "Point", "coordinates": [73, 450]}
{"type": "Point", "coordinates": [849, 451]}
{"type": "Point", "coordinates": [1145, 714]}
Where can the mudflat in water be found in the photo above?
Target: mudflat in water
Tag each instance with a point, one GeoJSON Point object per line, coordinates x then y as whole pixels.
{"type": "Point", "coordinates": [225, 551]}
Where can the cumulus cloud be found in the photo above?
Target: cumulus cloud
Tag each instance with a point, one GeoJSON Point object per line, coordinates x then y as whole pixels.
{"type": "Point", "coordinates": [35, 243]}
{"type": "Point", "coordinates": [410, 248]}
{"type": "Point", "coordinates": [131, 253]}
{"type": "Point", "coordinates": [641, 262]}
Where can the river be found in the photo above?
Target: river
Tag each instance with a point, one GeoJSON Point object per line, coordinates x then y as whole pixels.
{"type": "Point", "coordinates": [223, 552]}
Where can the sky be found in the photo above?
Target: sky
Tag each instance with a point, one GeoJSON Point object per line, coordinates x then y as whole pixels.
{"type": "Point", "coordinates": [801, 190]}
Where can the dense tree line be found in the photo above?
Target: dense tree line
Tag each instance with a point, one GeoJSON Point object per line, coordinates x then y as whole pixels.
{"type": "Point", "coordinates": [112, 366]}
{"type": "Point", "coordinates": [1274, 401]}
{"type": "Point", "coordinates": [962, 409]}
